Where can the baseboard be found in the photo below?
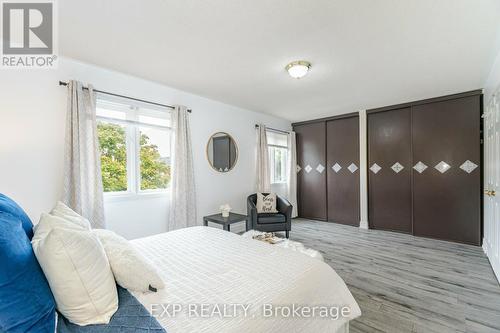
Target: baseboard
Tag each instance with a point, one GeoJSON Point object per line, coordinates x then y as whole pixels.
{"type": "Point", "coordinates": [363, 224]}
{"type": "Point", "coordinates": [494, 265]}
{"type": "Point", "coordinates": [496, 270]}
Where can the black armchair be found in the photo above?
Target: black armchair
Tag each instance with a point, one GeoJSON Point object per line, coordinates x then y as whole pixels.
{"type": "Point", "coordinates": [270, 222]}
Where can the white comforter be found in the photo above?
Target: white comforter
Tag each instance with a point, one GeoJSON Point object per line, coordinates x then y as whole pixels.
{"type": "Point", "coordinates": [204, 265]}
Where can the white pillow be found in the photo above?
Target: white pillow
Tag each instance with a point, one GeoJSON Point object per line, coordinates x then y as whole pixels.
{"type": "Point", "coordinates": [266, 204]}
{"type": "Point", "coordinates": [49, 222]}
{"type": "Point", "coordinates": [78, 271]}
{"type": "Point", "coordinates": [131, 269]}
{"type": "Point", "coordinates": [61, 210]}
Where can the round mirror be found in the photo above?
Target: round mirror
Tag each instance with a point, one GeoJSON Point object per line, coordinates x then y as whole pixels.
{"type": "Point", "coordinates": [222, 152]}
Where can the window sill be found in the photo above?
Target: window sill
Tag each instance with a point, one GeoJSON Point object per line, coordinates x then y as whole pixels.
{"type": "Point", "coordinates": [128, 196]}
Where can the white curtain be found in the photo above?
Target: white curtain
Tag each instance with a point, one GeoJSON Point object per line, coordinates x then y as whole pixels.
{"type": "Point", "coordinates": [263, 172]}
{"type": "Point", "coordinates": [182, 186]}
{"type": "Point", "coordinates": [292, 172]}
{"type": "Point", "coordinates": [83, 189]}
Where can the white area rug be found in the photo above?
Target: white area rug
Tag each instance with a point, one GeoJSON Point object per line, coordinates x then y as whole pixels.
{"type": "Point", "coordinates": [287, 244]}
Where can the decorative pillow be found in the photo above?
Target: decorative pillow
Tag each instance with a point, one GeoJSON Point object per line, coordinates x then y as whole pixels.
{"type": "Point", "coordinates": [26, 302]}
{"type": "Point", "coordinates": [124, 259]}
{"type": "Point", "coordinates": [8, 205]}
{"type": "Point", "coordinates": [49, 222]}
{"type": "Point", "coordinates": [63, 211]}
{"type": "Point", "coordinates": [77, 269]}
{"type": "Point", "coordinates": [266, 203]}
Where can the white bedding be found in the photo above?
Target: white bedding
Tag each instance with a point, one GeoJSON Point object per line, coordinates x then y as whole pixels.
{"type": "Point", "coordinates": [203, 265]}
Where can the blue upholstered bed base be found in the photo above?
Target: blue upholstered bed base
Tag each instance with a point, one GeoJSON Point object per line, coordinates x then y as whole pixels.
{"type": "Point", "coordinates": [131, 317]}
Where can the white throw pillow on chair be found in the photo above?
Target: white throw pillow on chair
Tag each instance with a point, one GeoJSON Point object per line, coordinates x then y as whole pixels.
{"type": "Point", "coordinates": [77, 269]}
{"type": "Point", "coordinates": [266, 203]}
{"type": "Point", "coordinates": [131, 269]}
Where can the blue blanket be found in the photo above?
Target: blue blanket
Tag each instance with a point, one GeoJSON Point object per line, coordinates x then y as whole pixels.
{"type": "Point", "coordinates": [131, 317]}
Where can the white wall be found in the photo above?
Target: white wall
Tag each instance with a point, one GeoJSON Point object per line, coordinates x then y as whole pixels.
{"type": "Point", "coordinates": [363, 170]}
{"type": "Point", "coordinates": [493, 81]}
{"type": "Point", "coordinates": [32, 122]}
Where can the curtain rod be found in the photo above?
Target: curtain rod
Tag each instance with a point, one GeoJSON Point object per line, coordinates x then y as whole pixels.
{"type": "Point", "coordinates": [61, 83]}
{"type": "Point", "coordinates": [273, 129]}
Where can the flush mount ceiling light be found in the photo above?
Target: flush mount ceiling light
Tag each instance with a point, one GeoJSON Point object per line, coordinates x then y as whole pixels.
{"type": "Point", "coordinates": [298, 69]}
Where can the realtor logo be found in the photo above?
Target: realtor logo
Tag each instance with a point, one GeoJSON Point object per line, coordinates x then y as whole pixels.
{"type": "Point", "coordinates": [28, 34]}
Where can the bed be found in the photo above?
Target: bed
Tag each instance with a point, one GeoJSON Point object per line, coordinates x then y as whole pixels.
{"type": "Point", "coordinates": [205, 266]}
{"type": "Point", "coordinates": [201, 266]}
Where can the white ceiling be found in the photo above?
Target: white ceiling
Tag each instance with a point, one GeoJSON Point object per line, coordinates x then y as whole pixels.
{"type": "Point", "coordinates": [365, 53]}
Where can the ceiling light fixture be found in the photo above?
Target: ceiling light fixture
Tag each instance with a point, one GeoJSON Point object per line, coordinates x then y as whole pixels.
{"type": "Point", "coordinates": [298, 69]}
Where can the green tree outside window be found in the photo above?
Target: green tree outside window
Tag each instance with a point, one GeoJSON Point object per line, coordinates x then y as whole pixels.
{"type": "Point", "coordinates": [155, 172]}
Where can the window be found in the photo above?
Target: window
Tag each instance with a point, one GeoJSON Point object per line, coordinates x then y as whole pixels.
{"type": "Point", "coordinates": [278, 154]}
{"type": "Point", "coordinates": [135, 147]}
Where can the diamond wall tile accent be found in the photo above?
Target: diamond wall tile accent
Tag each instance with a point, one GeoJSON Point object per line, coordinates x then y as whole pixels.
{"type": "Point", "coordinates": [298, 168]}
{"type": "Point", "coordinates": [420, 167]}
{"type": "Point", "coordinates": [320, 168]}
{"type": "Point", "coordinates": [308, 168]}
{"type": "Point", "coordinates": [468, 166]}
{"type": "Point", "coordinates": [442, 167]}
{"type": "Point", "coordinates": [375, 168]}
{"type": "Point", "coordinates": [352, 168]}
{"type": "Point", "coordinates": [336, 167]}
{"type": "Point", "coordinates": [397, 167]}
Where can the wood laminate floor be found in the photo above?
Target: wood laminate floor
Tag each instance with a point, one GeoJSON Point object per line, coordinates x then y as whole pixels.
{"type": "Point", "coordinates": [408, 284]}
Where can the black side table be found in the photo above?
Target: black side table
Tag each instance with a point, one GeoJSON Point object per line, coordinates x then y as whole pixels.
{"type": "Point", "coordinates": [224, 221]}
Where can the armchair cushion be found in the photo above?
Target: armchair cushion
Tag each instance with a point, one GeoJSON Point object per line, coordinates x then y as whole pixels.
{"type": "Point", "coordinates": [265, 218]}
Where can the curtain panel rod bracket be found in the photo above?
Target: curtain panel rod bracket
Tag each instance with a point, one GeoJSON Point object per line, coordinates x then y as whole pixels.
{"type": "Point", "coordinates": [273, 129]}
{"type": "Point", "coordinates": [62, 83]}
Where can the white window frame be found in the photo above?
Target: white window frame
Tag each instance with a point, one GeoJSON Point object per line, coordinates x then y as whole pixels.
{"type": "Point", "coordinates": [132, 130]}
{"type": "Point", "coordinates": [271, 163]}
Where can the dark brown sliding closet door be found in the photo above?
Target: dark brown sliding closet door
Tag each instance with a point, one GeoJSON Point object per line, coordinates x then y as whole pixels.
{"type": "Point", "coordinates": [389, 173]}
{"type": "Point", "coordinates": [447, 201]}
{"type": "Point", "coordinates": [311, 149]}
{"type": "Point", "coordinates": [343, 170]}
